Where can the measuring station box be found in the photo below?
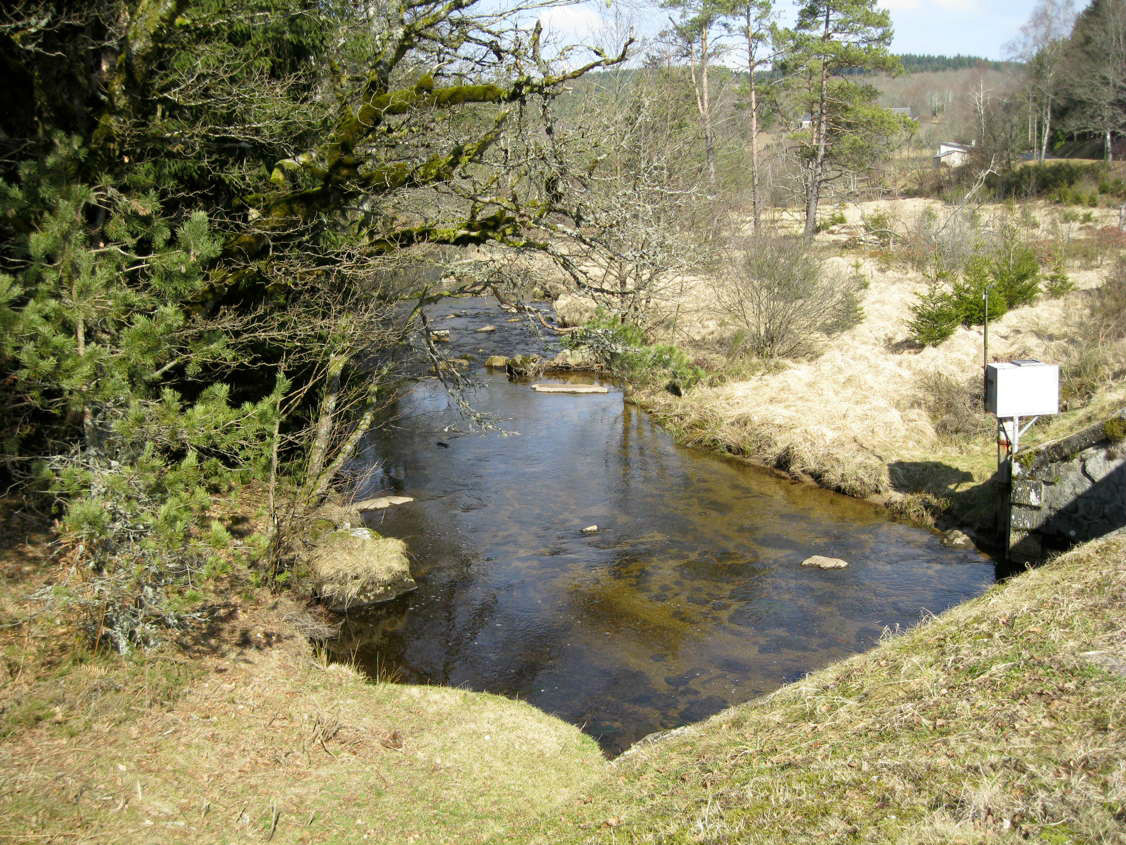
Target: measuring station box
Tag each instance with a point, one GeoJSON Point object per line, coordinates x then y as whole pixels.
{"type": "Point", "coordinates": [1022, 389]}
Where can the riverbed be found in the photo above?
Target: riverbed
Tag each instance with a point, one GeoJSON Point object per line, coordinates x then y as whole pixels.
{"type": "Point", "coordinates": [689, 595]}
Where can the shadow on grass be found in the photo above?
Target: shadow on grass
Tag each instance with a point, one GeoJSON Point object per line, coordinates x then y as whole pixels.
{"type": "Point", "coordinates": [953, 499]}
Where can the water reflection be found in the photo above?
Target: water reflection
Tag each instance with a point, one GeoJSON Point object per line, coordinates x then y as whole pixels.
{"type": "Point", "coordinates": [689, 598]}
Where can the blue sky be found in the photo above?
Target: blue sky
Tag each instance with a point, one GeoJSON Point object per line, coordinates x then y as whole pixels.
{"type": "Point", "coordinates": [943, 27]}
{"type": "Point", "coordinates": [949, 27]}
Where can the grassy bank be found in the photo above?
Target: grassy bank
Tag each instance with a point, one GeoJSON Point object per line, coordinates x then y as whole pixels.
{"type": "Point", "coordinates": [1003, 720]}
{"type": "Point", "coordinates": [242, 733]}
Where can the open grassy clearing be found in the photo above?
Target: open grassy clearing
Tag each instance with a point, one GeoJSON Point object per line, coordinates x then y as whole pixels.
{"type": "Point", "coordinates": [1003, 720]}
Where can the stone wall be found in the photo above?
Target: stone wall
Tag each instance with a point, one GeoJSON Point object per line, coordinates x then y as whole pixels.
{"type": "Point", "coordinates": [1069, 491]}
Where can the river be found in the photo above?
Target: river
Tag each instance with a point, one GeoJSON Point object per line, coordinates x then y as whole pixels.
{"type": "Point", "coordinates": [690, 596]}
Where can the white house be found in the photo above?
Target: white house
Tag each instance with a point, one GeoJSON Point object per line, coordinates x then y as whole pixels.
{"type": "Point", "coordinates": [951, 154]}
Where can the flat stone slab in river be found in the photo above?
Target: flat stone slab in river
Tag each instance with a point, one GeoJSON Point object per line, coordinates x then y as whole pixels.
{"type": "Point", "coordinates": [822, 562]}
{"type": "Point", "coordinates": [570, 388]}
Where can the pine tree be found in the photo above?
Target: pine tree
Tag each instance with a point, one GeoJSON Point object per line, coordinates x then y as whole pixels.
{"type": "Point", "coordinates": [833, 38]}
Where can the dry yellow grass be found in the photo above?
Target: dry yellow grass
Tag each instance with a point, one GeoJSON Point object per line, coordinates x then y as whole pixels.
{"type": "Point", "coordinates": [845, 416]}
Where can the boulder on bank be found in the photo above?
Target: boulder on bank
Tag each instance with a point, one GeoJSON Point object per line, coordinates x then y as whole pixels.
{"type": "Point", "coordinates": [582, 358]}
{"type": "Point", "coordinates": [574, 310]}
{"type": "Point", "coordinates": [822, 562]}
{"type": "Point", "coordinates": [355, 567]}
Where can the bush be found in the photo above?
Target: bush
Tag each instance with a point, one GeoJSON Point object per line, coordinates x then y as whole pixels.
{"type": "Point", "coordinates": [626, 351]}
{"type": "Point", "coordinates": [782, 300]}
{"type": "Point", "coordinates": [880, 225]}
{"type": "Point", "coordinates": [837, 218]}
{"type": "Point", "coordinates": [1057, 283]}
{"type": "Point", "coordinates": [1010, 276]}
{"type": "Point", "coordinates": [936, 315]}
{"type": "Point", "coordinates": [956, 409]}
{"type": "Point", "coordinates": [1108, 307]}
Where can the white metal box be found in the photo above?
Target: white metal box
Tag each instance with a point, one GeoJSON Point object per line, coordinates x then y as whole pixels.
{"type": "Point", "coordinates": [1022, 389]}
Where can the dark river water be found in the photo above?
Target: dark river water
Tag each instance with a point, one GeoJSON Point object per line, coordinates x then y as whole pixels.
{"type": "Point", "coordinates": [689, 598]}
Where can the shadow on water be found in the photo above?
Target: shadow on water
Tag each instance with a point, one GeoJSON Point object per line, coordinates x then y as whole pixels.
{"type": "Point", "coordinates": [689, 598]}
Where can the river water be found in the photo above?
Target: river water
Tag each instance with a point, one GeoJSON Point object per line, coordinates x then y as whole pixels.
{"type": "Point", "coordinates": [689, 598]}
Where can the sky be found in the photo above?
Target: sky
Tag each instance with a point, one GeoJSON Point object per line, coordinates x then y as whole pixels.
{"type": "Point", "coordinates": [942, 27]}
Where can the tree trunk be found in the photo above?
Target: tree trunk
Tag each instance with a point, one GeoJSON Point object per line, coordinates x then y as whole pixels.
{"type": "Point", "coordinates": [322, 439]}
{"type": "Point", "coordinates": [1047, 129]}
{"type": "Point", "coordinates": [756, 209]}
{"type": "Point", "coordinates": [1107, 147]}
{"type": "Point", "coordinates": [820, 140]}
{"type": "Point", "coordinates": [703, 103]}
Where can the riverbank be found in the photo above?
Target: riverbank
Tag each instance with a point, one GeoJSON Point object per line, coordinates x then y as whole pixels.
{"type": "Point", "coordinates": [873, 415]}
{"type": "Point", "coordinates": [1002, 720]}
{"type": "Point", "coordinates": [243, 732]}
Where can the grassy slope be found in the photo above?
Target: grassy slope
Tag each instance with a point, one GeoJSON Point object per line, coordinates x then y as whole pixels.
{"type": "Point", "coordinates": [1003, 720]}
{"type": "Point", "coordinates": [855, 418]}
{"type": "Point", "coordinates": [251, 738]}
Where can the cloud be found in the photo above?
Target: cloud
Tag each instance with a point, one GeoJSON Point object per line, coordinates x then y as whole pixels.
{"type": "Point", "coordinates": [581, 22]}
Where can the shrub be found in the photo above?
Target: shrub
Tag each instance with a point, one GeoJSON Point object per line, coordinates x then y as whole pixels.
{"type": "Point", "coordinates": [880, 225]}
{"type": "Point", "coordinates": [626, 351]}
{"type": "Point", "coordinates": [783, 301]}
{"type": "Point", "coordinates": [1108, 306]}
{"type": "Point", "coordinates": [956, 409]}
{"type": "Point", "coordinates": [837, 218]}
{"type": "Point", "coordinates": [969, 296]}
{"type": "Point", "coordinates": [1016, 273]}
{"type": "Point", "coordinates": [1057, 283]}
{"type": "Point", "coordinates": [935, 316]}
{"type": "Point", "coordinates": [1011, 277]}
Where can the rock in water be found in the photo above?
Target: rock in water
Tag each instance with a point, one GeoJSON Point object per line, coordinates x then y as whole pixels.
{"type": "Point", "coordinates": [486, 329]}
{"type": "Point", "coordinates": [591, 529]}
{"type": "Point", "coordinates": [524, 366]}
{"type": "Point", "coordinates": [440, 335]}
{"type": "Point", "coordinates": [822, 562]}
{"type": "Point", "coordinates": [496, 362]}
{"type": "Point", "coordinates": [355, 567]}
{"type": "Point", "coordinates": [957, 539]}
{"type": "Point", "coordinates": [570, 388]}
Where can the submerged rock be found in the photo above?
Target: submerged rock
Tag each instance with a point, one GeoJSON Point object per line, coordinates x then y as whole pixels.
{"type": "Point", "coordinates": [355, 567]}
{"type": "Point", "coordinates": [440, 335]}
{"type": "Point", "coordinates": [486, 329]}
{"type": "Point", "coordinates": [822, 562]}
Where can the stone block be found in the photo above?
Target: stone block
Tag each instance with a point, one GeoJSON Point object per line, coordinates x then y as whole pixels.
{"type": "Point", "coordinates": [1028, 519]}
{"type": "Point", "coordinates": [1028, 492]}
